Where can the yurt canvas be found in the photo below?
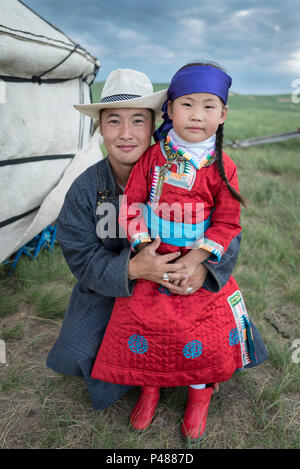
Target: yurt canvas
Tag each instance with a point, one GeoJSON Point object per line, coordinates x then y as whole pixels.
{"type": "Point", "coordinates": [44, 142]}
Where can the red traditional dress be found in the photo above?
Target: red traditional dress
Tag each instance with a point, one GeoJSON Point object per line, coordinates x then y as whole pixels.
{"type": "Point", "coordinates": [155, 338]}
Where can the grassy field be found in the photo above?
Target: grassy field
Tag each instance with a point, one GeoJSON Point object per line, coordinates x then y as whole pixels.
{"type": "Point", "coordinates": [259, 408]}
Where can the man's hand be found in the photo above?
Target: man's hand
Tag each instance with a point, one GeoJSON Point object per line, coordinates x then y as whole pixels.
{"type": "Point", "coordinates": [150, 265]}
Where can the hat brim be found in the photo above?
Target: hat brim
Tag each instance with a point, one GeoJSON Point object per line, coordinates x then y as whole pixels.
{"type": "Point", "coordinates": [152, 101]}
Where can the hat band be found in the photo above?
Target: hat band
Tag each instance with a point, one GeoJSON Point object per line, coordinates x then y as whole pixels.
{"type": "Point", "coordinates": [119, 97]}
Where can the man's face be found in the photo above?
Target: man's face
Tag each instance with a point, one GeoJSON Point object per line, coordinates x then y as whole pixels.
{"type": "Point", "coordinates": [126, 134]}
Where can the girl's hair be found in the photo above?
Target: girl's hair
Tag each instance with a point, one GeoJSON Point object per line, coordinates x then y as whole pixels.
{"type": "Point", "coordinates": [219, 141]}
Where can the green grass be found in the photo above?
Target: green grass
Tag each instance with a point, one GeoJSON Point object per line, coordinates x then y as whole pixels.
{"type": "Point", "coordinates": [42, 287]}
{"type": "Point", "coordinates": [256, 409]}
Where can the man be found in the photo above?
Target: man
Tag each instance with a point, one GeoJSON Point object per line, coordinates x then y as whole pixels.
{"type": "Point", "coordinates": [105, 267]}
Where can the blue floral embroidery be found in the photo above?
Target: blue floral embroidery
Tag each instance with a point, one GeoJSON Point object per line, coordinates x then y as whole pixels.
{"type": "Point", "coordinates": [138, 344]}
{"type": "Point", "coordinates": [192, 349]}
{"type": "Point", "coordinates": [234, 337]}
{"type": "Point", "coordinates": [164, 290]}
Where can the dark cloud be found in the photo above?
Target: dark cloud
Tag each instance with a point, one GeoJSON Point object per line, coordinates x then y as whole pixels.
{"type": "Point", "coordinates": [254, 40]}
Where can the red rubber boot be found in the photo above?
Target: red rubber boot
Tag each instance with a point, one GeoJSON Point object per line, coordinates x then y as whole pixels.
{"type": "Point", "coordinates": [143, 411]}
{"type": "Point", "coordinates": [195, 416]}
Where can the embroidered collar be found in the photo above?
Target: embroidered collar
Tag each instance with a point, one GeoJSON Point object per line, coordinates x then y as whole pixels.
{"type": "Point", "coordinates": [200, 154]}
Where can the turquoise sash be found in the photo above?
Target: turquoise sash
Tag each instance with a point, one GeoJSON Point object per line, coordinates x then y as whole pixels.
{"type": "Point", "coordinates": [176, 234]}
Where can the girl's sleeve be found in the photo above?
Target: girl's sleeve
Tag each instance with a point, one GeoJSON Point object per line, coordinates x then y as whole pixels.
{"type": "Point", "coordinates": [133, 205]}
{"type": "Point", "coordinates": [225, 218]}
{"type": "Point", "coordinates": [219, 272]}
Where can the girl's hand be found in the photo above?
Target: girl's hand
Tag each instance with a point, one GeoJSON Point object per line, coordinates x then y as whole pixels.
{"type": "Point", "coordinates": [195, 281]}
{"type": "Point", "coordinates": [196, 270]}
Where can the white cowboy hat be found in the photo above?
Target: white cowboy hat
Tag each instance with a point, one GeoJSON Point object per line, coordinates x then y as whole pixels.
{"type": "Point", "coordinates": [125, 88]}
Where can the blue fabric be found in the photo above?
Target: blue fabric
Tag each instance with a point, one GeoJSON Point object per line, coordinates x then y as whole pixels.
{"type": "Point", "coordinates": [195, 79]}
{"type": "Point", "coordinates": [176, 234]}
{"type": "Point", "coordinates": [100, 267]}
{"type": "Point", "coordinates": [200, 79]}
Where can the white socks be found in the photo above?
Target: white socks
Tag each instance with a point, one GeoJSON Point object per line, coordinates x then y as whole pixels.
{"type": "Point", "coordinates": [198, 386]}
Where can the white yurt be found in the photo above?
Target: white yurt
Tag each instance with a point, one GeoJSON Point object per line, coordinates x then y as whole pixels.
{"type": "Point", "coordinates": [44, 142]}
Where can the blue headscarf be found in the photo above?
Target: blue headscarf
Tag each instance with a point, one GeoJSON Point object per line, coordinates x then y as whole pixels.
{"type": "Point", "coordinates": [194, 79]}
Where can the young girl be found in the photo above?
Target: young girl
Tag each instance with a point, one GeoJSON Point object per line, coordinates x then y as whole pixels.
{"type": "Point", "coordinates": [187, 191]}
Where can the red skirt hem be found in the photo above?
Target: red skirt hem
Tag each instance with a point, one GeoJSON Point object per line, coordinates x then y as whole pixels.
{"type": "Point", "coordinates": [125, 376]}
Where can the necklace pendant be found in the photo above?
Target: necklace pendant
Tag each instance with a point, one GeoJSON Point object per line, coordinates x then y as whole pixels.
{"type": "Point", "coordinates": [180, 159]}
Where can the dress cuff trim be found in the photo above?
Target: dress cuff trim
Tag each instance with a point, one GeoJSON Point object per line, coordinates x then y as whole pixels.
{"type": "Point", "coordinates": [216, 249]}
{"type": "Point", "coordinates": [139, 238]}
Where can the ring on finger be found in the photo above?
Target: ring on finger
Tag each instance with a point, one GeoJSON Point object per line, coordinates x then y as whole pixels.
{"type": "Point", "coordinates": [166, 277]}
{"type": "Point", "coordinates": [189, 290]}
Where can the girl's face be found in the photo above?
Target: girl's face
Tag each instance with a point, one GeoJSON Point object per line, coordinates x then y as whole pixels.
{"type": "Point", "coordinates": [197, 116]}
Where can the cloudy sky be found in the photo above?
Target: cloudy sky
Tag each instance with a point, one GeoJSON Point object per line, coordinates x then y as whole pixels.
{"type": "Point", "coordinates": [257, 42]}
